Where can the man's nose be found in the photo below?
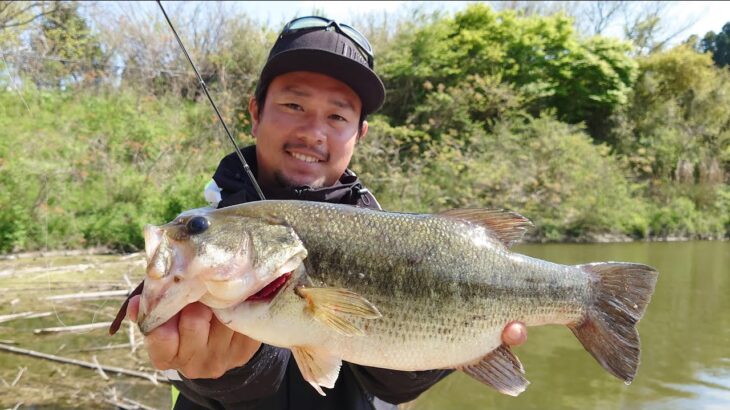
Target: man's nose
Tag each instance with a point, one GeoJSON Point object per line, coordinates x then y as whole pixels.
{"type": "Point", "coordinates": [313, 130]}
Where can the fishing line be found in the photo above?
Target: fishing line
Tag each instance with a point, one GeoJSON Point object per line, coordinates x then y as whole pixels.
{"type": "Point", "coordinates": [207, 94]}
{"type": "Point", "coordinates": [48, 274]}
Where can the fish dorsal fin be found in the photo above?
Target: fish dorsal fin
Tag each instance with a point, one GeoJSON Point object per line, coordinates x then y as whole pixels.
{"type": "Point", "coordinates": [319, 370]}
{"type": "Point", "coordinates": [499, 369]}
{"type": "Point", "coordinates": [507, 226]}
{"type": "Point", "coordinates": [337, 307]}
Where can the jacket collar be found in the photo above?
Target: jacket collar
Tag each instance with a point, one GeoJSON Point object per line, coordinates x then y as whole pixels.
{"type": "Point", "coordinates": [231, 177]}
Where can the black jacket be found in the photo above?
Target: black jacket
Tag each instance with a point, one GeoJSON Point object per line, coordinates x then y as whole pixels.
{"type": "Point", "coordinates": [271, 379]}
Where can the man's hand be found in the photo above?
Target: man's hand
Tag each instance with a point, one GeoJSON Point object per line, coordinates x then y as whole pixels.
{"type": "Point", "coordinates": [195, 343]}
{"type": "Point", "coordinates": [514, 334]}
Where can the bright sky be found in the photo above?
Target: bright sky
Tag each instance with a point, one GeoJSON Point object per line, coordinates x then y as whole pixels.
{"type": "Point", "coordinates": [710, 15]}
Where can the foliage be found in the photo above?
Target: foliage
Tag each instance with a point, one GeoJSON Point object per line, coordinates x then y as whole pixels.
{"type": "Point", "coordinates": [90, 170]}
{"type": "Point", "coordinates": [581, 134]}
{"type": "Point", "coordinates": [719, 45]}
{"type": "Point", "coordinates": [15, 17]}
{"type": "Point", "coordinates": [548, 170]}
{"type": "Point", "coordinates": [66, 35]}
{"type": "Point", "coordinates": [675, 136]}
{"type": "Point", "coordinates": [542, 57]}
{"type": "Point", "coordinates": [678, 123]}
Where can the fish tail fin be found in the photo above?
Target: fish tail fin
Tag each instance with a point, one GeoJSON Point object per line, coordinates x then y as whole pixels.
{"type": "Point", "coordinates": [608, 329]}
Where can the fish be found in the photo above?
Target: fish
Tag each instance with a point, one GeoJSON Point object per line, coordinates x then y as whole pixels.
{"type": "Point", "coordinates": [393, 290]}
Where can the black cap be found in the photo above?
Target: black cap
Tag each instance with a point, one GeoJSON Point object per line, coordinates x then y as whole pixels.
{"type": "Point", "coordinates": [327, 52]}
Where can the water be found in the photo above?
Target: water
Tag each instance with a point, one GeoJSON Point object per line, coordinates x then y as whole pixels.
{"type": "Point", "coordinates": [685, 340]}
{"type": "Point", "coordinates": [31, 383]}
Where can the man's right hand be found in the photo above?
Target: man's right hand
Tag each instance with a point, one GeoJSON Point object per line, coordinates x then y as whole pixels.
{"type": "Point", "coordinates": [195, 343]}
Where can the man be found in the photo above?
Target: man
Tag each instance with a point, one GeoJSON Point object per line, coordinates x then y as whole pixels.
{"type": "Point", "coordinates": [308, 113]}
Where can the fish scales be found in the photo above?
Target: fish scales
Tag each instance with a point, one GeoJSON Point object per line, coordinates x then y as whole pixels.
{"type": "Point", "coordinates": [444, 283]}
{"type": "Point", "coordinates": [384, 289]}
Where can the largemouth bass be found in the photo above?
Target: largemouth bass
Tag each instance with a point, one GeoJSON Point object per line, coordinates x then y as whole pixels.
{"type": "Point", "coordinates": [390, 290]}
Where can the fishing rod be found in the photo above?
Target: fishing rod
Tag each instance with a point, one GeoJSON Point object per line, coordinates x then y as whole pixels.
{"type": "Point", "coordinates": [207, 94]}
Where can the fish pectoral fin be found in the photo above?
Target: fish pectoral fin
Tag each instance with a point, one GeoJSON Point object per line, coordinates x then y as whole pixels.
{"type": "Point", "coordinates": [507, 226]}
{"type": "Point", "coordinates": [319, 370]}
{"type": "Point", "coordinates": [336, 307]}
{"type": "Point", "coordinates": [500, 369]}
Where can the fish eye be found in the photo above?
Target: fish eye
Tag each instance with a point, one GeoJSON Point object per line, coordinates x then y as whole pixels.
{"type": "Point", "coordinates": [197, 224]}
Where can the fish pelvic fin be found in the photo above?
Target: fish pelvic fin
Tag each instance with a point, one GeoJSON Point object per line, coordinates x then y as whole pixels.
{"type": "Point", "coordinates": [501, 370]}
{"type": "Point", "coordinates": [607, 331]}
{"type": "Point", "coordinates": [507, 226]}
{"type": "Point", "coordinates": [319, 370]}
{"type": "Point", "coordinates": [336, 307]}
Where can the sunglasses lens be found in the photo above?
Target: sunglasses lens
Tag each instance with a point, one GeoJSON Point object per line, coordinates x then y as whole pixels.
{"type": "Point", "coordinates": [357, 37]}
{"type": "Point", "coordinates": [315, 22]}
{"type": "Point", "coordinates": [308, 22]}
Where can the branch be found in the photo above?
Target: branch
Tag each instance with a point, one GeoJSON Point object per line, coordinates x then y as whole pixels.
{"type": "Point", "coordinates": [77, 328]}
{"type": "Point", "coordinates": [89, 295]}
{"type": "Point", "coordinates": [6, 6]}
{"type": "Point", "coordinates": [610, 8]}
{"type": "Point", "coordinates": [151, 377]}
{"type": "Point", "coordinates": [54, 9]}
{"type": "Point", "coordinates": [24, 315]}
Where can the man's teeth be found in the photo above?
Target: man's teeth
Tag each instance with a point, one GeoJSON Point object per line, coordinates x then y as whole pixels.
{"type": "Point", "coordinates": [302, 157]}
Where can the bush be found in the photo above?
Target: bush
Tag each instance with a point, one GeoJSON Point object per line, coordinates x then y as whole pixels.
{"type": "Point", "coordinates": [547, 170]}
{"type": "Point", "coordinates": [89, 169]}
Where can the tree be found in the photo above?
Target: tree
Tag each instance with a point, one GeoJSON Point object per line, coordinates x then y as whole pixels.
{"type": "Point", "coordinates": [718, 44]}
{"type": "Point", "coordinates": [677, 126]}
{"type": "Point", "coordinates": [590, 17]}
{"type": "Point", "coordinates": [596, 16]}
{"type": "Point", "coordinates": [18, 14]}
{"type": "Point", "coordinates": [73, 53]}
{"type": "Point", "coordinates": [645, 26]}
{"type": "Point", "coordinates": [540, 57]}
{"type": "Point", "coordinates": [15, 16]}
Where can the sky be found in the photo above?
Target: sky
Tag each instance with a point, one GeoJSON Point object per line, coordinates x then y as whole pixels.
{"type": "Point", "coordinates": [709, 15]}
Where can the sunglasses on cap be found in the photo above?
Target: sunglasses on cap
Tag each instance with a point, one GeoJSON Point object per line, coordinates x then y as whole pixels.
{"type": "Point", "coordinates": [320, 23]}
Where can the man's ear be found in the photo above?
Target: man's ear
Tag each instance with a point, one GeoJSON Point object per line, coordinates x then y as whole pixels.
{"type": "Point", "coordinates": [253, 110]}
{"type": "Point", "coordinates": [363, 130]}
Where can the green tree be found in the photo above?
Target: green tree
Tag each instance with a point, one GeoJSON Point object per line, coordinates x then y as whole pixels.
{"type": "Point", "coordinates": [719, 45]}
{"type": "Point", "coordinates": [550, 171]}
{"type": "Point", "coordinates": [75, 54]}
{"type": "Point", "coordinates": [541, 57]}
{"type": "Point", "coordinates": [16, 16]}
{"type": "Point", "coordinates": [675, 136]}
{"type": "Point", "coordinates": [678, 122]}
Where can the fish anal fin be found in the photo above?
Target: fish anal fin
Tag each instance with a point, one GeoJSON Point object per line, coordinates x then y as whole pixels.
{"type": "Point", "coordinates": [507, 226]}
{"type": "Point", "coordinates": [501, 370]}
{"type": "Point", "coordinates": [336, 307]}
{"type": "Point", "coordinates": [319, 370]}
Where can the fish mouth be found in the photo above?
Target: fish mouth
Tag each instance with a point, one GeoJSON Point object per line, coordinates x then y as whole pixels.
{"type": "Point", "coordinates": [269, 291]}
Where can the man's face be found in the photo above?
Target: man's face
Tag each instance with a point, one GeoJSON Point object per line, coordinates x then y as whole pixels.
{"type": "Point", "coordinates": [307, 131]}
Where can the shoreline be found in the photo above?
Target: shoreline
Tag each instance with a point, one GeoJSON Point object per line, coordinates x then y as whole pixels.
{"type": "Point", "coordinates": [620, 238]}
